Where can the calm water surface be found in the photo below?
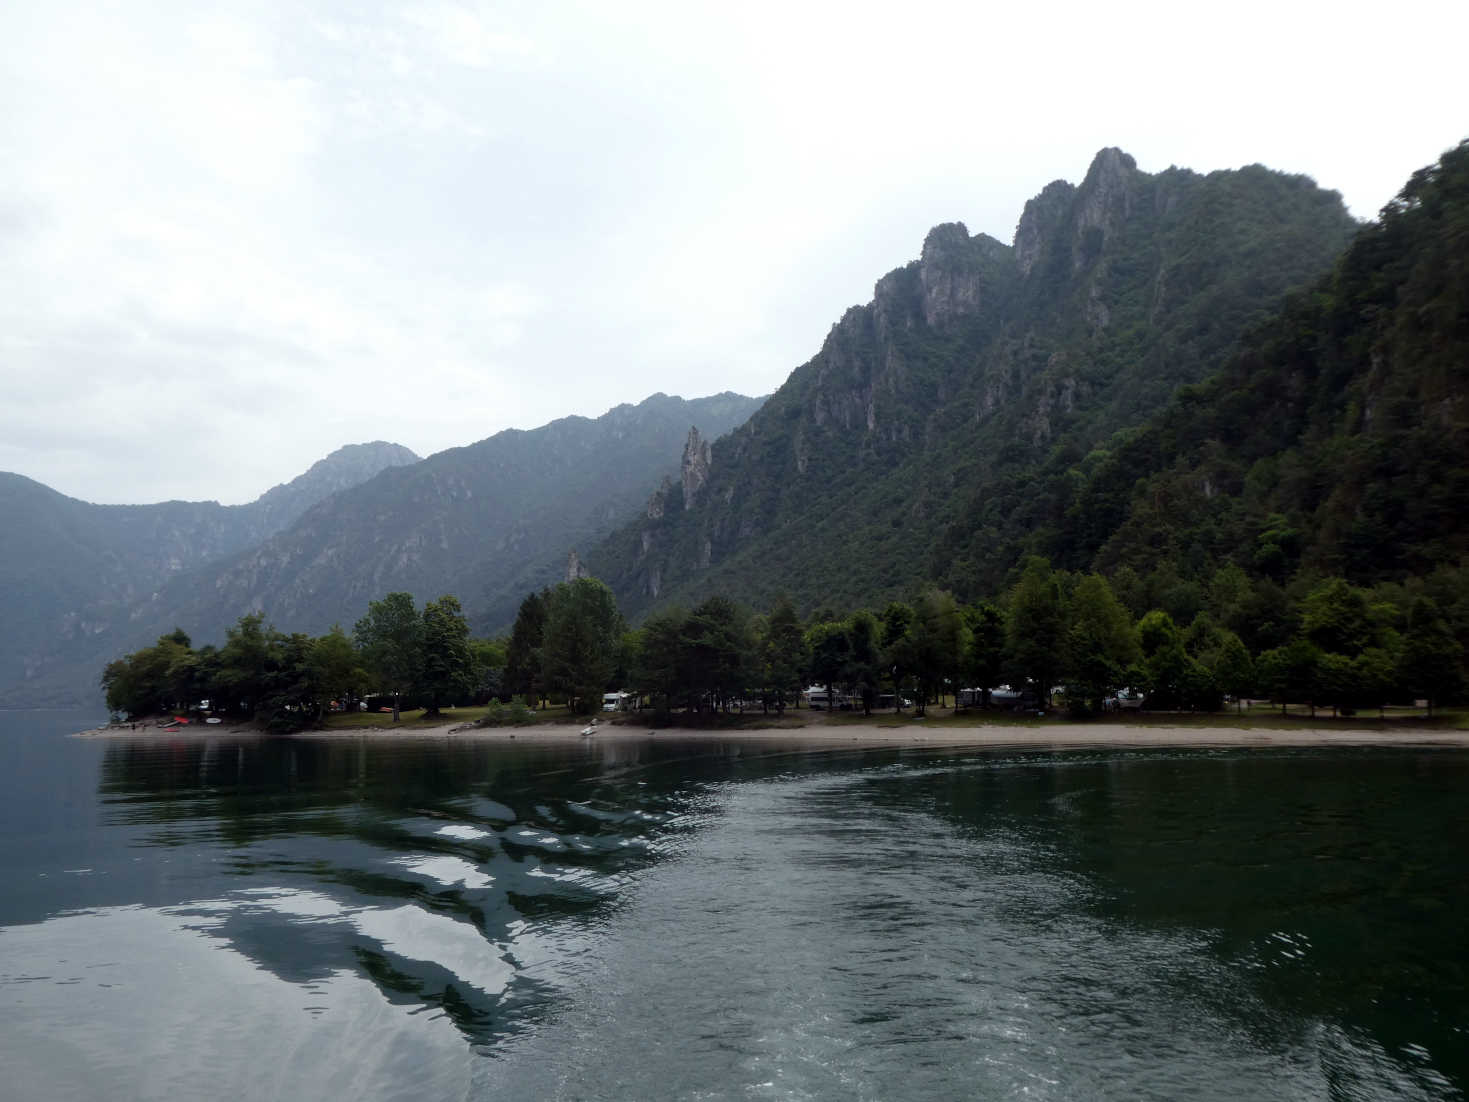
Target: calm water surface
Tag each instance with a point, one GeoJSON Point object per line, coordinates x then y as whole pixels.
{"type": "Point", "coordinates": [293, 918]}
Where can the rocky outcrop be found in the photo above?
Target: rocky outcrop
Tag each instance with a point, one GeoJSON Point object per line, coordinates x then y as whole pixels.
{"type": "Point", "coordinates": [1065, 219]}
{"type": "Point", "coordinates": [1039, 221]}
{"type": "Point", "coordinates": [695, 470]}
{"type": "Point", "coordinates": [955, 273]}
{"type": "Point", "coordinates": [658, 502]}
{"type": "Point", "coordinates": [1104, 203]}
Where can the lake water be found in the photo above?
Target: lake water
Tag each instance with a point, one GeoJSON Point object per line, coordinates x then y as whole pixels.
{"type": "Point", "coordinates": [291, 918]}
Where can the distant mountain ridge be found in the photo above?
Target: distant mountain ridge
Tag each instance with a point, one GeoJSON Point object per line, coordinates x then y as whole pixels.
{"type": "Point", "coordinates": [487, 522]}
{"type": "Point", "coordinates": [970, 366]}
{"type": "Point", "coordinates": [344, 468]}
{"type": "Point", "coordinates": [71, 571]}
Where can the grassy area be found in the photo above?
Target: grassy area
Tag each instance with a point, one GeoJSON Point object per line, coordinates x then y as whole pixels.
{"type": "Point", "coordinates": [752, 719]}
{"type": "Point", "coordinates": [1264, 716]}
{"type": "Point", "coordinates": [411, 718]}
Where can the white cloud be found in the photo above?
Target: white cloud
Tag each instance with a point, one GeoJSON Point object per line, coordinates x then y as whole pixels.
{"type": "Point", "coordinates": [465, 37]}
{"type": "Point", "coordinates": [243, 236]}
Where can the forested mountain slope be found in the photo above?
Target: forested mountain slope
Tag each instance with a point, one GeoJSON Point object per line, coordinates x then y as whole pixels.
{"type": "Point", "coordinates": [70, 570]}
{"type": "Point", "coordinates": [1336, 442]}
{"type": "Point", "coordinates": [971, 368]}
{"type": "Point", "coordinates": [486, 522]}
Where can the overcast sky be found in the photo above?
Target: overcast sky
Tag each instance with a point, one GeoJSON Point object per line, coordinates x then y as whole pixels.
{"type": "Point", "coordinates": [235, 237]}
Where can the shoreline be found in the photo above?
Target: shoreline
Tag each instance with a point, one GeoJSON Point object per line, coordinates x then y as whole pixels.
{"type": "Point", "coordinates": [852, 735]}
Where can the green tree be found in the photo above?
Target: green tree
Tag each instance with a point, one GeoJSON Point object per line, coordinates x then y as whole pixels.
{"type": "Point", "coordinates": [1233, 669]}
{"type": "Point", "coordinates": [1430, 664]}
{"type": "Point", "coordinates": [718, 649]}
{"type": "Point", "coordinates": [939, 641]}
{"type": "Point", "coordinates": [488, 656]}
{"type": "Point", "coordinates": [659, 668]}
{"type": "Point", "coordinates": [830, 646]}
{"type": "Point", "coordinates": [1036, 630]}
{"type": "Point", "coordinates": [1101, 643]}
{"type": "Point", "coordinates": [446, 668]}
{"type": "Point", "coordinates": [244, 661]}
{"type": "Point", "coordinates": [1168, 666]}
{"type": "Point", "coordinates": [1334, 680]}
{"type": "Point", "coordinates": [390, 638]}
{"type": "Point", "coordinates": [984, 659]}
{"type": "Point", "coordinates": [1289, 673]}
{"type": "Point", "coordinates": [1373, 675]}
{"type": "Point", "coordinates": [523, 653]}
{"type": "Point", "coordinates": [899, 655]}
{"type": "Point", "coordinates": [337, 665]}
{"type": "Point", "coordinates": [783, 653]}
{"type": "Point", "coordinates": [865, 664]}
{"type": "Point", "coordinates": [291, 694]}
{"type": "Point", "coordinates": [579, 647]}
{"type": "Point", "coordinates": [1335, 617]}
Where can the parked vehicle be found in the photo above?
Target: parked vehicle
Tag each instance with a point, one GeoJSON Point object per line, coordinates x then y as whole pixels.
{"type": "Point", "coordinates": [1003, 696]}
{"type": "Point", "coordinates": [1125, 700]}
{"type": "Point", "coordinates": [821, 696]}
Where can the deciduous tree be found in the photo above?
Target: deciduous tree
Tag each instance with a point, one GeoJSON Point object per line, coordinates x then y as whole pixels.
{"type": "Point", "coordinates": [390, 638]}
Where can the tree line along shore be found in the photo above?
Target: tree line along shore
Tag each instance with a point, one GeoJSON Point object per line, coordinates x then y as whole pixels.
{"type": "Point", "coordinates": [1057, 641]}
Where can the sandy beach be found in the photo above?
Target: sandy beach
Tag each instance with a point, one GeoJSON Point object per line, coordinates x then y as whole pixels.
{"type": "Point", "coordinates": [818, 733]}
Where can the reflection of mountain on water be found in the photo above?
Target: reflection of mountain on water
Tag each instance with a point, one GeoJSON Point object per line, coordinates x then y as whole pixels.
{"type": "Point", "coordinates": [441, 871]}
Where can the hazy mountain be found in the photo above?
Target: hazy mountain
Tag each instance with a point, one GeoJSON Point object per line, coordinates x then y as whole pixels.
{"type": "Point", "coordinates": [70, 570]}
{"type": "Point", "coordinates": [488, 522]}
{"type": "Point", "coordinates": [974, 367]}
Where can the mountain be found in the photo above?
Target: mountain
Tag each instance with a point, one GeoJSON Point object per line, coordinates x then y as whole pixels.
{"type": "Point", "coordinates": [70, 570]}
{"type": "Point", "coordinates": [1335, 442]}
{"type": "Point", "coordinates": [488, 522]}
{"type": "Point", "coordinates": [897, 454]}
{"type": "Point", "coordinates": [346, 467]}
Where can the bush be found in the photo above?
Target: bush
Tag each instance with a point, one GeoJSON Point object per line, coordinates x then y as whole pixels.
{"type": "Point", "coordinates": [515, 714]}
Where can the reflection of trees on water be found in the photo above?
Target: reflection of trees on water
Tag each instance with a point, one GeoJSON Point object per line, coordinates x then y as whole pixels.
{"type": "Point", "coordinates": [534, 840]}
{"type": "Point", "coordinates": [368, 828]}
{"type": "Point", "coordinates": [1318, 875]}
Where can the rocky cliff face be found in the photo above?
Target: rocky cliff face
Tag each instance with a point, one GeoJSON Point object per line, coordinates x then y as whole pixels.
{"type": "Point", "coordinates": [972, 359]}
{"type": "Point", "coordinates": [694, 470]}
{"type": "Point", "coordinates": [1038, 223]}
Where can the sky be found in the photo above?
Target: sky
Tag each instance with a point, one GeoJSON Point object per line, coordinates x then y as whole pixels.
{"type": "Point", "coordinates": [234, 237]}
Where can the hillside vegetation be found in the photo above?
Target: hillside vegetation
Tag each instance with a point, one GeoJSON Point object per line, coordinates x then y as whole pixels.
{"type": "Point", "coordinates": [939, 407]}
{"type": "Point", "coordinates": [1292, 527]}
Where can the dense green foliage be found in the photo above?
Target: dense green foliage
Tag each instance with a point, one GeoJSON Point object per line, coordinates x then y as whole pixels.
{"type": "Point", "coordinates": [1350, 649]}
{"type": "Point", "coordinates": [391, 639]}
{"type": "Point", "coordinates": [290, 681]}
{"type": "Point", "coordinates": [910, 449]}
{"type": "Point", "coordinates": [579, 644]}
{"type": "Point", "coordinates": [1334, 442]}
{"type": "Point", "coordinates": [1328, 446]}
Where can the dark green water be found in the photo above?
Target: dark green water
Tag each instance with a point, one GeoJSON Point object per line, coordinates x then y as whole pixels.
{"type": "Point", "coordinates": [440, 919]}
